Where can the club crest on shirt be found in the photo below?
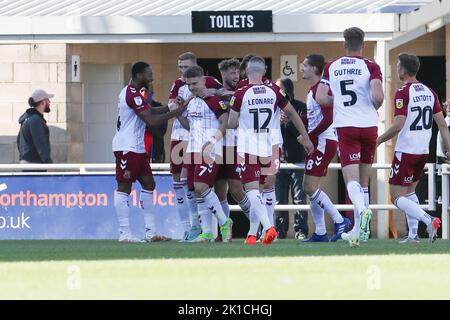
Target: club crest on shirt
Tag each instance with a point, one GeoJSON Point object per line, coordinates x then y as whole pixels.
{"type": "Point", "coordinates": [223, 105]}
{"type": "Point", "coordinates": [138, 100]}
{"type": "Point", "coordinates": [399, 103]}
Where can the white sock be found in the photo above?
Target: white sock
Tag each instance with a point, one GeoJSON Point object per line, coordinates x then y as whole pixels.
{"type": "Point", "coordinates": [213, 203]}
{"type": "Point", "coordinates": [245, 206]}
{"type": "Point", "coordinates": [146, 202]}
{"type": "Point", "coordinates": [356, 195]}
{"type": "Point", "coordinates": [412, 209]}
{"type": "Point", "coordinates": [413, 224]}
{"type": "Point", "coordinates": [122, 211]}
{"type": "Point", "coordinates": [254, 224]}
{"type": "Point", "coordinates": [366, 196]}
{"type": "Point", "coordinates": [322, 199]}
{"type": "Point", "coordinates": [318, 217]}
{"type": "Point", "coordinates": [182, 208]}
{"type": "Point", "coordinates": [225, 208]}
{"type": "Point", "coordinates": [269, 198]}
{"type": "Point", "coordinates": [205, 215]}
{"type": "Point", "coordinates": [258, 208]}
{"type": "Point", "coordinates": [413, 227]}
{"type": "Point", "coordinates": [193, 210]}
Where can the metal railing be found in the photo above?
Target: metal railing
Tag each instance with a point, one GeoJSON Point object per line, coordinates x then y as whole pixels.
{"type": "Point", "coordinates": [445, 172]}
{"type": "Point", "coordinates": [163, 168]}
{"type": "Point", "coordinates": [102, 168]}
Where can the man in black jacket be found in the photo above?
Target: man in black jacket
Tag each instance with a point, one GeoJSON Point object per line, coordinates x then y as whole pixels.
{"type": "Point", "coordinates": [293, 152]}
{"type": "Point", "coordinates": [33, 140]}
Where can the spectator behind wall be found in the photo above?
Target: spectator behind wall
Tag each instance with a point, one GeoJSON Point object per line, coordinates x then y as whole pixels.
{"type": "Point", "coordinates": [33, 140]}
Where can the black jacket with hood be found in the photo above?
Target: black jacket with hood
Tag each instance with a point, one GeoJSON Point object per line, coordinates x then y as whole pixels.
{"type": "Point", "coordinates": [33, 140]}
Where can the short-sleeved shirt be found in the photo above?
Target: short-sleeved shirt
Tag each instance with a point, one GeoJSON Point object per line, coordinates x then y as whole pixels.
{"type": "Point", "coordinates": [349, 79]}
{"type": "Point", "coordinates": [257, 105]}
{"type": "Point", "coordinates": [181, 89]}
{"type": "Point", "coordinates": [418, 104]}
{"type": "Point", "coordinates": [203, 115]}
{"type": "Point", "coordinates": [315, 115]}
{"type": "Point", "coordinates": [130, 128]}
{"type": "Point", "coordinates": [277, 136]}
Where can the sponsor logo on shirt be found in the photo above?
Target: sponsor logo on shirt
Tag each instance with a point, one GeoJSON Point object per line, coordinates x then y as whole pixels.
{"type": "Point", "coordinates": [409, 179]}
{"type": "Point", "coordinates": [259, 90]}
{"type": "Point", "coordinates": [348, 61]}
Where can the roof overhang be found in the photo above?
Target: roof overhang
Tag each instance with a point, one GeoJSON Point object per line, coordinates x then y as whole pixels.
{"type": "Point", "coordinates": [416, 24]}
{"type": "Point", "coordinates": [175, 29]}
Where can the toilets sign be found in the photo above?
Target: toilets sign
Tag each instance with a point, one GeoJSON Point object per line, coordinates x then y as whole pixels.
{"type": "Point", "coordinates": [232, 21]}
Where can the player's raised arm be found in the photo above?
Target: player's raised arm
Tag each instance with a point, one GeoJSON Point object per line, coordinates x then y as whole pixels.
{"type": "Point", "coordinates": [223, 121]}
{"type": "Point", "coordinates": [220, 133]}
{"type": "Point", "coordinates": [184, 121]}
{"type": "Point", "coordinates": [235, 109]}
{"type": "Point", "coordinates": [152, 119]}
{"type": "Point", "coordinates": [233, 120]}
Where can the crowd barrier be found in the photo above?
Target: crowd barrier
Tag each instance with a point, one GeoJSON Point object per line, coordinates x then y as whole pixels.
{"type": "Point", "coordinates": [75, 201]}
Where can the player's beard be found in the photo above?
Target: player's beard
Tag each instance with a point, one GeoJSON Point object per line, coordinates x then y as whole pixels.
{"type": "Point", "coordinates": [231, 84]}
{"type": "Point", "coordinates": [47, 108]}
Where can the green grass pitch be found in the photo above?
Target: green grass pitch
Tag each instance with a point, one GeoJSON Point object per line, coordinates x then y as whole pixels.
{"type": "Point", "coordinates": [69, 269]}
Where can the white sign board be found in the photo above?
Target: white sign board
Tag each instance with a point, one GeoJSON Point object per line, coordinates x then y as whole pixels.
{"type": "Point", "coordinates": [75, 68]}
{"type": "Point", "coordinates": [288, 67]}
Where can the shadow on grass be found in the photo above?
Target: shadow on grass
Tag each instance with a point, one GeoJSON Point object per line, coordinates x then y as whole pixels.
{"type": "Point", "coordinates": [59, 250]}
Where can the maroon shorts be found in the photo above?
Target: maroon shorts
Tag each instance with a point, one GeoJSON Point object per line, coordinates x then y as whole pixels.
{"type": "Point", "coordinates": [231, 167]}
{"type": "Point", "coordinates": [407, 168]}
{"type": "Point", "coordinates": [317, 162]}
{"type": "Point", "coordinates": [131, 165]}
{"type": "Point", "coordinates": [199, 171]}
{"type": "Point", "coordinates": [357, 145]}
{"type": "Point", "coordinates": [251, 168]}
{"type": "Point", "coordinates": [177, 149]}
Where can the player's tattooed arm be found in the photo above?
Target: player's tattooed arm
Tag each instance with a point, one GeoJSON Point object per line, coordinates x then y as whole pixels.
{"type": "Point", "coordinates": [233, 119]}
{"type": "Point", "coordinates": [218, 135]}
{"type": "Point", "coordinates": [397, 125]}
